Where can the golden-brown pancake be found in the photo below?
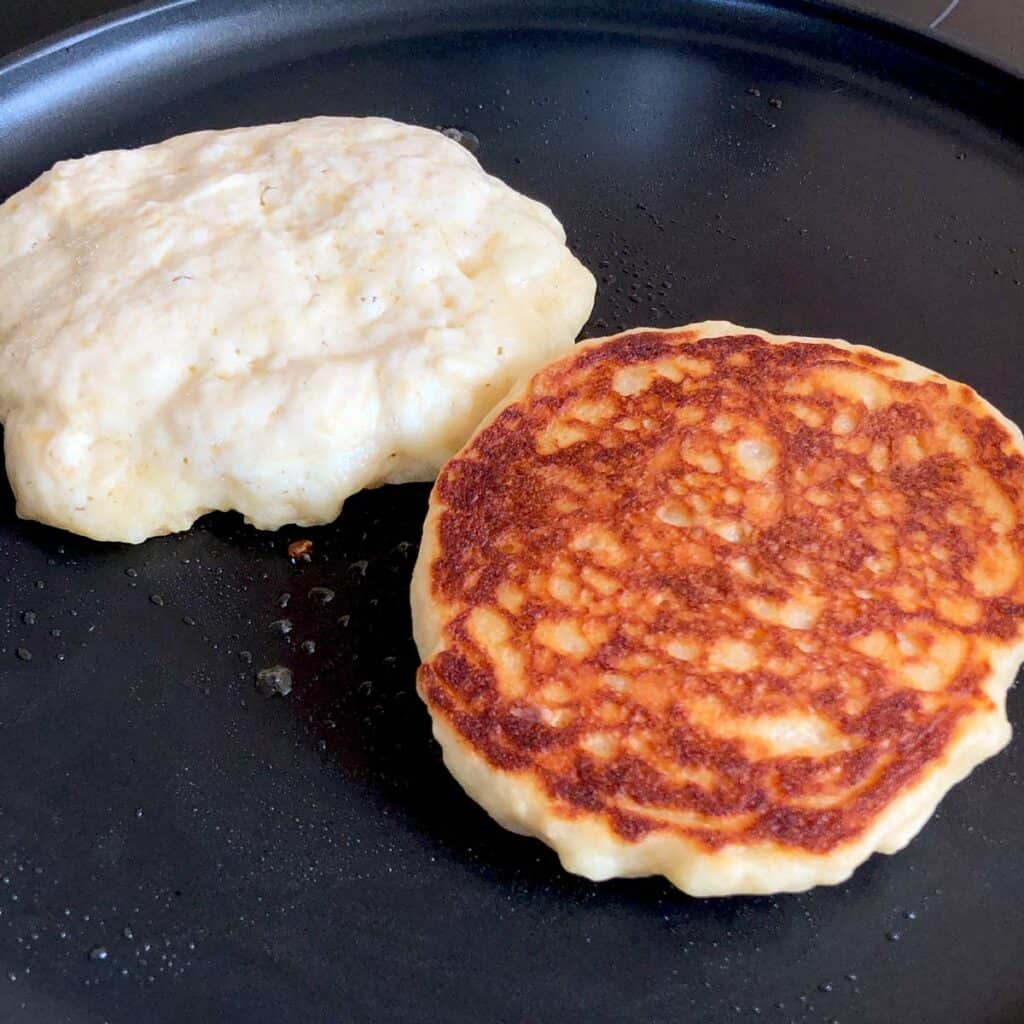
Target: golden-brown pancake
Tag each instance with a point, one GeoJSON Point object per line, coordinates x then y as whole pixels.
{"type": "Point", "coordinates": [730, 607]}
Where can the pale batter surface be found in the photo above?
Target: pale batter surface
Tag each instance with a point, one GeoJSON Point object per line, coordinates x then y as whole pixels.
{"type": "Point", "coordinates": [264, 319]}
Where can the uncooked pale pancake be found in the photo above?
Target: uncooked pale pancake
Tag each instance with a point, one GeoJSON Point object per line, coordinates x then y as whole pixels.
{"type": "Point", "coordinates": [728, 607]}
{"type": "Point", "coordinates": [264, 319]}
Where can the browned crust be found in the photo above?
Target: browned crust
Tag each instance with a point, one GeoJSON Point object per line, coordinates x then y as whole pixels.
{"type": "Point", "coordinates": [510, 514]}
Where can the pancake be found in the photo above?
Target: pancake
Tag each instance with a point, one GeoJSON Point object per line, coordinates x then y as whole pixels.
{"type": "Point", "coordinates": [733, 608]}
{"type": "Point", "coordinates": [264, 319]}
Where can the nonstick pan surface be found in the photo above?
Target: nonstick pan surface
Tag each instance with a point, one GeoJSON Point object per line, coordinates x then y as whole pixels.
{"type": "Point", "coordinates": [176, 847]}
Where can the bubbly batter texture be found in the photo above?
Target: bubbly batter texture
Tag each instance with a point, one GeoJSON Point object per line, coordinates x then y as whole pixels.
{"type": "Point", "coordinates": [264, 319]}
{"type": "Point", "coordinates": [730, 607]}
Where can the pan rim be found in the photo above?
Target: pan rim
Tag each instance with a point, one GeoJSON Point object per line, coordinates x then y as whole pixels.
{"type": "Point", "coordinates": [898, 31]}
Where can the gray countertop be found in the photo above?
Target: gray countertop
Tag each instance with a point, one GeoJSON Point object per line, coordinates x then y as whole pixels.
{"type": "Point", "coordinates": [992, 28]}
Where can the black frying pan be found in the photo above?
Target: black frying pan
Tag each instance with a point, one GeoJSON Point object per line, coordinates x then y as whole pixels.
{"type": "Point", "coordinates": [230, 857]}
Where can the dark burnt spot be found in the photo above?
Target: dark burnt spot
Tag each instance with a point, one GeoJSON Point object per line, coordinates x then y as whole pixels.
{"type": "Point", "coordinates": [851, 551]}
{"type": "Point", "coordinates": [794, 776]}
{"type": "Point", "coordinates": [857, 765]}
{"type": "Point", "coordinates": [894, 420]}
{"type": "Point", "coordinates": [524, 729]}
{"type": "Point", "coordinates": [929, 481]}
{"type": "Point", "coordinates": [888, 716]}
{"type": "Point", "coordinates": [575, 791]}
{"type": "Point", "coordinates": [698, 587]}
{"type": "Point", "coordinates": [1002, 618]}
{"type": "Point", "coordinates": [624, 350]}
{"type": "Point", "coordinates": [803, 444]}
{"type": "Point", "coordinates": [814, 830]}
{"type": "Point", "coordinates": [482, 733]}
{"type": "Point", "coordinates": [464, 679]}
{"type": "Point", "coordinates": [631, 827]}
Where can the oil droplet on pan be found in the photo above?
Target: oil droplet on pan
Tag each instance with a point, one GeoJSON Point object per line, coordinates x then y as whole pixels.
{"type": "Point", "coordinates": [276, 680]}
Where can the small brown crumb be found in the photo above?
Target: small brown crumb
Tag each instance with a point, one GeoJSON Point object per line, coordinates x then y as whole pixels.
{"type": "Point", "coordinates": [301, 549]}
{"type": "Point", "coordinates": [776, 103]}
{"type": "Point", "coordinates": [753, 91]}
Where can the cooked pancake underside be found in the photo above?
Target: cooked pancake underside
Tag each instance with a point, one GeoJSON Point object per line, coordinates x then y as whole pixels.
{"type": "Point", "coordinates": [729, 607]}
